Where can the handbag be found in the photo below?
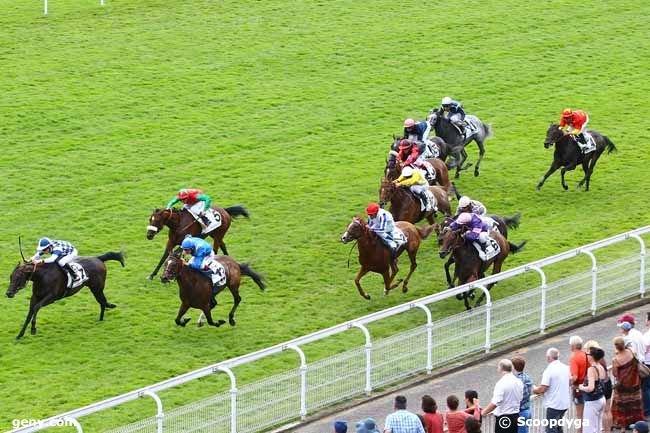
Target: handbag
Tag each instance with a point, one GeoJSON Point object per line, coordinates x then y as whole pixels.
{"type": "Point", "coordinates": [644, 370]}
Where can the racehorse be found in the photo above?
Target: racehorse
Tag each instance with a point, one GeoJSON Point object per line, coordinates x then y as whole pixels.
{"type": "Point", "coordinates": [446, 130]}
{"type": "Point", "coordinates": [182, 222]}
{"type": "Point", "coordinates": [374, 256]}
{"type": "Point", "coordinates": [405, 206]}
{"type": "Point", "coordinates": [568, 154]}
{"type": "Point", "coordinates": [49, 284]}
{"type": "Point", "coordinates": [195, 289]}
{"type": "Point", "coordinates": [394, 168]}
{"type": "Point", "coordinates": [469, 266]}
{"type": "Point", "coordinates": [444, 149]}
{"type": "Point", "coordinates": [502, 225]}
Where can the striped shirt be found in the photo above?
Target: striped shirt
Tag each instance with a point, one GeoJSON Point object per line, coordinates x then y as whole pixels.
{"type": "Point", "coordinates": [59, 249]}
{"type": "Point", "coordinates": [403, 421]}
{"type": "Point", "coordinates": [382, 223]}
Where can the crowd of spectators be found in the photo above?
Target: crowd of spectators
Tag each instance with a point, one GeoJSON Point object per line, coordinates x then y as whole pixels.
{"type": "Point", "coordinates": [601, 403]}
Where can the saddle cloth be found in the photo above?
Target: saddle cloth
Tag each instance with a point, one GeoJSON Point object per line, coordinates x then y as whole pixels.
{"type": "Point", "coordinates": [591, 143]}
{"type": "Point", "coordinates": [431, 150]}
{"type": "Point", "coordinates": [431, 202]}
{"type": "Point", "coordinates": [217, 273]}
{"type": "Point", "coordinates": [471, 126]}
{"type": "Point", "coordinates": [399, 237]}
{"type": "Point", "coordinates": [492, 250]}
{"type": "Point", "coordinates": [81, 272]}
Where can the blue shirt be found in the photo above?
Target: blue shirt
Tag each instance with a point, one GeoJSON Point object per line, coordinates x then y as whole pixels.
{"type": "Point", "coordinates": [403, 421]}
{"type": "Point", "coordinates": [456, 108]}
{"type": "Point", "coordinates": [418, 130]}
{"type": "Point", "coordinates": [528, 385]}
{"type": "Point", "coordinates": [200, 250]}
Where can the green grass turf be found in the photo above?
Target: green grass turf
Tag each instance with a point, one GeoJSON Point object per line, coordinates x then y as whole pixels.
{"type": "Point", "coordinates": [288, 109]}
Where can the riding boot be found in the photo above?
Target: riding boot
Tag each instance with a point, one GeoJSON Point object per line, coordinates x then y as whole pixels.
{"type": "Point", "coordinates": [206, 221]}
{"type": "Point", "coordinates": [73, 273]}
{"type": "Point", "coordinates": [425, 200]}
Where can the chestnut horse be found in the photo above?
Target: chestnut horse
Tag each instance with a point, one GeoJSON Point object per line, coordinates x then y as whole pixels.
{"type": "Point", "coordinates": [374, 256]}
{"type": "Point", "coordinates": [181, 222]}
{"type": "Point", "coordinates": [469, 266]}
{"type": "Point", "coordinates": [195, 289]}
{"type": "Point", "coordinates": [405, 206]}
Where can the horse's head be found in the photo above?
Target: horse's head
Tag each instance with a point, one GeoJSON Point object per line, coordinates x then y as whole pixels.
{"type": "Point", "coordinates": [354, 230]}
{"type": "Point", "coordinates": [386, 191]}
{"type": "Point", "coordinates": [157, 221]}
{"type": "Point", "coordinates": [392, 165]}
{"type": "Point", "coordinates": [433, 117]}
{"type": "Point", "coordinates": [448, 241]}
{"type": "Point", "coordinates": [21, 274]}
{"type": "Point", "coordinates": [174, 266]}
{"type": "Point", "coordinates": [553, 135]}
{"type": "Point", "coordinates": [395, 145]}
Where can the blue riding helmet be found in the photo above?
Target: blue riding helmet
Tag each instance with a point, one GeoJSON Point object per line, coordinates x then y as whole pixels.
{"type": "Point", "coordinates": [188, 244]}
{"type": "Point", "coordinates": [43, 243]}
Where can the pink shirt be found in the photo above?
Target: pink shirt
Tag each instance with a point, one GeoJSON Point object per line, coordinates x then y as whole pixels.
{"type": "Point", "coordinates": [456, 420]}
{"type": "Point", "coordinates": [432, 422]}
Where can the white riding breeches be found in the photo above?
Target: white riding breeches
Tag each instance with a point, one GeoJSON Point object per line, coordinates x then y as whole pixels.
{"type": "Point", "coordinates": [418, 189]}
{"type": "Point", "coordinates": [455, 117]}
{"type": "Point", "coordinates": [67, 258]}
{"type": "Point", "coordinates": [197, 208]}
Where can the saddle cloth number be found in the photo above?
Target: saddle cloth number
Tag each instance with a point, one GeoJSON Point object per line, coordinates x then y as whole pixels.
{"type": "Point", "coordinates": [492, 252]}
{"type": "Point", "coordinates": [398, 237]}
{"type": "Point", "coordinates": [81, 272]}
{"type": "Point", "coordinates": [218, 273]}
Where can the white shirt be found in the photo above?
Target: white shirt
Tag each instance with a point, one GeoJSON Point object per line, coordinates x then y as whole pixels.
{"type": "Point", "coordinates": [556, 377]}
{"type": "Point", "coordinates": [634, 339]}
{"type": "Point", "coordinates": [507, 396]}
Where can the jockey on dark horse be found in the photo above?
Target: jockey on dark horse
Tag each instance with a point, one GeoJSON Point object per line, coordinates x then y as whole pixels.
{"type": "Point", "coordinates": [412, 153]}
{"type": "Point", "coordinates": [419, 131]}
{"type": "Point", "coordinates": [453, 110]}
{"type": "Point", "coordinates": [203, 260]}
{"type": "Point", "coordinates": [466, 204]}
{"type": "Point", "coordinates": [198, 204]}
{"type": "Point", "coordinates": [62, 253]}
{"type": "Point", "coordinates": [477, 230]}
{"type": "Point", "coordinates": [575, 121]}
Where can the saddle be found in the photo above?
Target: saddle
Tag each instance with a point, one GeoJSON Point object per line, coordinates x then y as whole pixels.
{"type": "Point", "coordinates": [431, 204]}
{"type": "Point", "coordinates": [492, 250]}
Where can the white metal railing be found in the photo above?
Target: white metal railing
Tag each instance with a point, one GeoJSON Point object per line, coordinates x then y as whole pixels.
{"type": "Point", "coordinates": [288, 396]}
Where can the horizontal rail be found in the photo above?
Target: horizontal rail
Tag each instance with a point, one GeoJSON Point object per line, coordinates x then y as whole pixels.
{"type": "Point", "coordinates": [318, 335]}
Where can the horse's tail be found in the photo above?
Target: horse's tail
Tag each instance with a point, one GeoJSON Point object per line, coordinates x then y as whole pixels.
{"type": "Point", "coordinates": [111, 255]}
{"type": "Point", "coordinates": [425, 231]}
{"type": "Point", "coordinates": [487, 130]}
{"type": "Point", "coordinates": [238, 210]}
{"type": "Point", "coordinates": [514, 248]}
{"type": "Point", "coordinates": [245, 269]}
{"type": "Point", "coordinates": [609, 145]}
{"type": "Point", "coordinates": [513, 221]}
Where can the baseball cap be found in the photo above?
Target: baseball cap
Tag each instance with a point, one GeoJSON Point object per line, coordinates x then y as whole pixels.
{"type": "Point", "coordinates": [641, 426]}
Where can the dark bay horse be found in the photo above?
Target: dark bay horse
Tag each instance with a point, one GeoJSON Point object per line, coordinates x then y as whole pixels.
{"type": "Point", "coordinates": [404, 206]}
{"type": "Point", "coordinates": [374, 256]}
{"type": "Point", "coordinates": [181, 222]}
{"type": "Point", "coordinates": [469, 266]}
{"type": "Point", "coordinates": [568, 154]}
{"type": "Point", "coordinates": [49, 284]}
{"type": "Point", "coordinates": [195, 289]}
{"type": "Point", "coordinates": [446, 130]}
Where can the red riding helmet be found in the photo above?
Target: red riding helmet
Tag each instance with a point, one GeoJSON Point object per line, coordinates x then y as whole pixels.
{"type": "Point", "coordinates": [567, 114]}
{"type": "Point", "coordinates": [372, 209]}
{"type": "Point", "coordinates": [183, 194]}
{"type": "Point", "coordinates": [405, 144]}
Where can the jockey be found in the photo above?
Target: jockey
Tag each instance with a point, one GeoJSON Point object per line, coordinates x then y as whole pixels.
{"type": "Point", "coordinates": [417, 130]}
{"type": "Point", "coordinates": [453, 110]}
{"type": "Point", "coordinates": [198, 204]}
{"type": "Point", "coordinates": [576, 122]}
{"type": "Point", "coordinates": [61, 253]}
{"type": "Point", "coordinates": [415, 156]}
{"type": "Point", "coordinates": [201, 252]}
{"type": "Point", "coordinates": [477, 229]}
{"type": "Point", "coordinates": [381, 222]}
{"type": "Point", "coordinates": [416, 183]}
{"type": "Point", "coordinates": [466, 204]}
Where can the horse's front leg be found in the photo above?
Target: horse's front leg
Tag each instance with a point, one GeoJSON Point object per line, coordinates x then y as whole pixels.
{"type": "Point", "coordinates": [30, 314]}
{"type": "Point", "coordinates": [363, 271]}
{"type": "Point", "coordinates": [563, 172]}
{"type": "Point", "coordinates": [33, 311]}
{"type": "Point", "coordinates": [450, 282]}
{"type": "Point", "coordinates": [481, 154]}
{"type": "Point", "coordinates": [554, 167]}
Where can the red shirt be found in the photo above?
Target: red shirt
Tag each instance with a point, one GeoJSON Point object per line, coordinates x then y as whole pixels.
{"type": "Point", "coordinates": [578, 365]}
{"type": "Point", "coordinates": [579, 118]}
{"type": "Point", "coordinates": [413, 153]}
{"type": "Point", "coordinates": [432, 422]}
{"type": "Point", "coordinates": [192, 193]}
{"type": "Point", "coordinates": [456, 420]}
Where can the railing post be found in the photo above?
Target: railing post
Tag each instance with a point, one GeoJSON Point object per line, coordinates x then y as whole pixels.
{"type": "Point", "coordinates": [45, 7]}
{"type": "Point", "coordinates": [429, 336]}
{"type": "Point", "coordinates": [303, 379]}
{"type": "Point", "coordinates": [594, 280]}
{"type": "Point", "coordinates": [160, 416]}
{"type": "Point", "coordinates": [488, 314]}
{"type": "Point", "coordinates": [542, 318]}
{"type": "Point", "coordinates": [74, 422]}
{"type": "Point", "coordinates": [642, 260]}
{"type": "Point", "coordinates": [368, 346]}
{"type": "Point", "coordinates": [233, 397]}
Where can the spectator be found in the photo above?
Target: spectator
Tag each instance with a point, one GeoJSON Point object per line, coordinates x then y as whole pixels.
{"type": "Point", "coordinates": [626, 401]}
{"type": "Point", "coordinates": [402, 421]}
{"type": "Point", "coordinates": [645, 382]}
{"type": "Point", "coordinates": [455, 419]}
{"type": "Point", "coordinates": [506, 399]}
{"type": "Point", "coordinates": [593, 391]}
{"type": "Point", "coordinates": [578, 366]}
{"type": "Point", "coordinates": [640, 427]}
{"type": "Point", "coordinates": [607, 389]}
{"type": "Point", "coordinates": [633, 337]}
{"type": "Point", "coordinates": [470, 396]}
{"type": "Point", "coordinates": [340, 427]}
{"type": "Point", "coordinates": [472, 425]}
{"type": "Point", "coordinates": [433, 422]}
{"type": "Point", "coordinates": [518, 363]}
{"type": "Point", "coordinates": [555, 387]}
{"type": "Point", "coordinates": [367, 425]}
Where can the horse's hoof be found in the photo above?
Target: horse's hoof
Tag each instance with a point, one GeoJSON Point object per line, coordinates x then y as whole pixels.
{"type": "Point", "coordinates": [33, 331]}
{"type": "Point", "coordinates": [459, 296]}
{"type": "Point", "coordinates": [110, 305]}
{"type": "Point", "coordinates": [366, 296]}
{"type": "Point", "coordinates": [232, 322]}
{"type": "Point", "coordinates": [19, 336]}
{"type": "Point", "coordinates": [457, 175]}
{"type": "Point", "coordinates": [385, 292]}
{"type": "Point", "coordinates": [538, 187]}
{"type": "Point", "coordinates": [475, 173]}
{"type": "Point", "coordinates": [220, 322]}
{"type": "Point", "coordinates": [199, 324]}
{"type": "Point", "coordinates": [405, 289]}
{"type": "Point", "coordinates": [150, 277]}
